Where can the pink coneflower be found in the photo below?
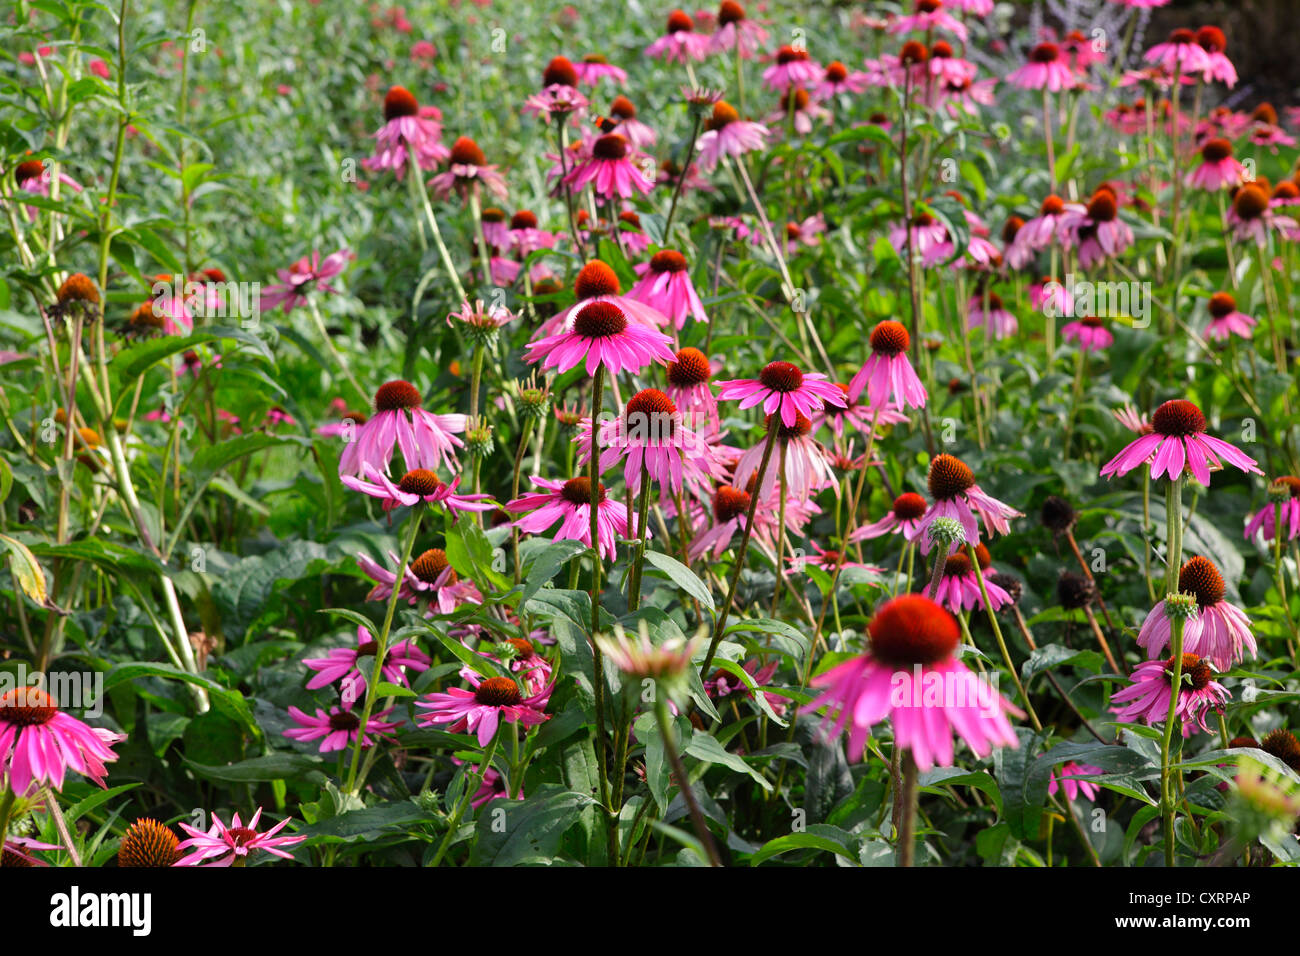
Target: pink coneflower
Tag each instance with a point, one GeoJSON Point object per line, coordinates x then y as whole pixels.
{"type": "Point", "coordinates": [1178, 439]}
{"type": "Point", "coordinates": [340, 664]}
{"type": "Point", "coordinates": [800, 110]}
{"type": "Point", "coordinates": [807, 466]}
{"type": "Point", "coordinates": [310, 273]}
{"type": "Point", "coordinates": [622, 113]}
{"type": "Point", "coordinates": [232, 846]}
{"type": "Point", "coordinates": [782, 387]}
{"type": "Point", "coordinates": [559, 95]}
{"type": "Point", "coordinates": [569, 502]}
{"type": "Point", "coordinates": [855, 413]}
{"type": "Point", "coordinates": [1179, 54]}
{"type": "Point", "coordinates": [735, 31]}
{"type": "Point", "coordinates": [429, 576]}
{"type": "Point", "coordinates": [723, 684]}
{"type": "Point", "coordinates": [909, 674]}
{"type": "Point", "coordinates": [828, 560]}
{"type": "Point", "coordinates": [1225, 320]}
{"type": "Point", "coordinates": [1217, 66]}
{"type": "Point", "coordinates": [600, 334]}
{"type": "Point", "coordinates": [468, 167]}
{"type": "Point", "coordinates": [497, 234]}
{"type": "Point", "coordinates": [1097, 231]}
{"type": "Point", "coordinates": [959, 586]}
{"type": "Point", "coordinates": [726, 134]}
{"type": "Point", "coordinates": [997, 317]}
{"type": "Point", "coordinates": [887, 375]}
{"type": "Point", "coordinates": [680, 43]}
{"type": "Point", "coordinates": [1251, 216]}
{"type": "Point", "coordinates": [524, 235]}
{"type": "Point", "coordinates": [1081, 51]}
{"type": "Point", "coordinates": [1067, 774]}
{"type": "Point", "coordinates": [418, 484]}
{"type": "Point", "coordinates": [1147, 698]}
{"type": "Point", "coordinates": [837, 79]}
{"type": "Point", "coordinates": [946, 67]}
{"type": "Point", "coordinates": [650, 434]}
{"type": "Point", "coordinates": [480, 711]}
{"type": "Point", "coordinates": [1046, 70]}
{"type": "Point", "coordinates": [1051, 297]}
{"type": "Point", "coordinates": [1219, 631]}
{"type": "Point", "coordinates": [927, 234]}
{"type": "Point", "coordinates": [688, 385]}
{"type": "Point", "coordinates": [1090, 332]}
{"type": "Point", "coordinates": [1133, 420]}
{"type": "Point", "coordinates": [611, 170]}
{"type": "Point", "coordinates": [929, 16]}
{"type": "Point", "coordinates": [16, 851]}
{"type": "Point", "coordinates": [339, 727]}
{"type": "Point", "coordinates": [966, 96]}
{"type": "Point", "coordinates": [593, 68]}
{"type": "Point", "coordinates": [808, 233]}
{"type": "Point", "coordinates": [425, 439]}
{"type": "Point", "coordinates": [730, 508]}
{"type": "Point", "coordinates": [39, 743]}
{"type": "Point", "coordinates": [905, 516]}
{"type": "Point", "coordinates": [1042, 230]}
{"type": "Point", "coordinates": [405, 123]}
{"type": "Point", "coordinates": [596, 283]}
{"type": "Point", "coordinates": [33, 176]}
{"type": "Point", "coordinates": [791, 67]}
{"type": "Point", "coordinates": [665, 285]}
{"type": "Point", "coordinates": [1218, 169]}
{"type": "Point", "coordinates": [1286, 491]}
{"type": "Point", "coordinates": [956, 495]}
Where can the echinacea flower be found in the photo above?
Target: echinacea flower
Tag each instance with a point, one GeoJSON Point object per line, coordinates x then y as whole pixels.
{"type": "Point", "coordinates": [665, 285]}
{"type": "Point", "coordinates": [924, 233]}
{"type": "Point", "coordinates": [1251, 216]}
{"type": "Point", "coordinates": [791, 67]}
{"type": "Point", "coordinates": [956, 495]}
{"type": "Point", "coordinates": [1090, 332]}
{"type": "Point", "coordinates": [559, 95]}
{"type": "Point", "coordinates": [959, 586]}
{"type": "Point", "coordinates": [1046, 70]}
{"type": "Point", "coordinates": [1217, 67]}
{"type": "Point", "coordinates": [1066, 777]}
{"type": "Point", "coordinates": [1284, 491]}
{"type": "Point", "coordinates": [593, 68]}
{"type": "Point", "coordinates": [1097, 231]}
{"type": "Point", "coordinates": [1178, 439]}
{"type": "Point", "coordinates": [569, 502]}
{"type": "Point", "coordinates": [730, 508]}
{"type": "Point", "coordinates": [39, 743]}
{"type": "Point", "coordinates": [340, 664]}
{"type": "Point", "coordinates": [651, 436]}
{"type": "Point", "coordinates": [307, 274]}
{"type": "Point", "coordinates": [596, 283]}
{"type": "Point", "coordinates": [783, 388]}
{"type": "Point", "coordinates": [838, 79]}
{"type": "Point", "coordinates": [338, 729]}
{"type": "Point", "coordinates": [928, 16]}
{"type": "Point", "coordinates": [680, 43]}
{"type": "Point", "coordinates": [406, 129]}
{"type": "Point", "coordinates": [985, 310]}
{"type": "Point", "coordinates": [905, 516]}
{"type": "Point", "coordinates": [482, 710]}
{"type": "Point", "coordinates": [17, 851]}
{"type": "Point", "coordinates": [418, 484]}
{"type": "Point", "coordinates": [424, 439]}
{"type": "Point", "coordinates": [859, 415]}
{"type": "Point", "coordinates": [1042, 230]}
{"type": "Point", "coordinates": [688, 385]}
{"type": "Point", "coordinates": [807, 465]}
{"type": "Point", "coordinates": [726, 134]}
{"type": "Point", "coordinates": [909, 674]}
{"type": "Point", "coordinates": [611, 169]}
{"type": "Point", "coordinates": [1180, 54]}
{"type": "Point", "coordinates": [1147, 698]}
{"type": "Point", "coordinates": [428, 577]}
{"type": "Point", "coordinates": [601, 335]}
{"type": "Point", "coordinates": [146, 844]}
{"type": "Point", "coordinates": [468, 167]}
{"type": "Point", "coordinates": [1218, 168]}
{"type": "Point", "coordinates": [1226, 320]}
{"type": "Point", "coordinates": [622, 113]}
{"type": "Point", "coordinates": [736, 31]}
{"type": "Point", "coordinates": [1133, 420]}
{"type": "Point", "coordinates": [233, 845]}
{"type": "Point", "coordinates": [1216, 629]}
{"type": "Point", "coordinates": [887, 376]}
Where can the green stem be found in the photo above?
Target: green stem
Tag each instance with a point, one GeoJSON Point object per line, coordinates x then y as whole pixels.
{"type": "Point", "coordinates": [1166, 771]}
{"type": "Point", "coordinates": [666, 731]}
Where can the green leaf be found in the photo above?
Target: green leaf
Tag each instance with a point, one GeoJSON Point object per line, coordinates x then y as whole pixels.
{"type": "Point", "coordinates": [706, 747]}
{"type": "Point", "coordinates": [277, 766]}
{"type": "Point", "coordinates": [811, 839]}
{"type": "Point", "coordinates": [529, 831]}
{"type": "Point", "coordinates": [683, 577]}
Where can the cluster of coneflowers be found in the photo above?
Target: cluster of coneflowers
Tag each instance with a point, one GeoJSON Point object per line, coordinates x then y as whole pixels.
{"type": "Point", "coordinates": [666, 446]}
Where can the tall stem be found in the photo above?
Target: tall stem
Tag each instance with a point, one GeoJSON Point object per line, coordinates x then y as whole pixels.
{"type": "Point", "coordinates": [1166, 771]}
{"type": "Point", "coordinates": [598, 659]}
{"type": "Point", "coordinates": [423, 194]}
{"type": "Point", "coordinates": [666, 731]}
{"type": "Point", "coordinates": [908, 804]}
